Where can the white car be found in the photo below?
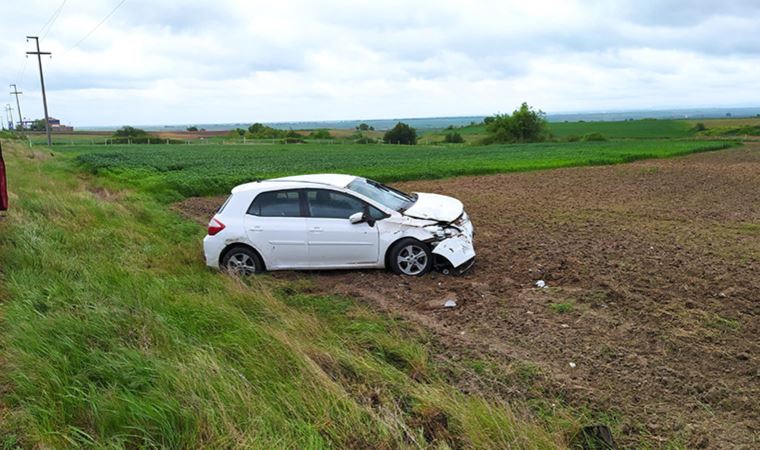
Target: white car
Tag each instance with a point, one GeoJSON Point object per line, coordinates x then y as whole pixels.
{"type": "Point", "coordinates": [328, 221]}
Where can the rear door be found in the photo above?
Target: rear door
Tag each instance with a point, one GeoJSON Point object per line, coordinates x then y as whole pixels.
{"type": "Point", "coordinates": [276, 227]}
{"type": "Point", "coordinates": [333, 241]}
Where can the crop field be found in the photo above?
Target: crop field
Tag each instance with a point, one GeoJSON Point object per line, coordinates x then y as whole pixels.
{"type": "Point", "coordinates": [646, 128]}
{"type": "Point", "coordinates": [193, 170]}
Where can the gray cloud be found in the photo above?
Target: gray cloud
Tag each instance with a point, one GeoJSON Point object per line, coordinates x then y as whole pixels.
{"type": "Point", "coordinates": [296, 59]}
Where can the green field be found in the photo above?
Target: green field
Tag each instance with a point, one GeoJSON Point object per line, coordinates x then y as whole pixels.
{"type": "Point", "coordinates": [190, 170]}
{"type": "Point", "coordinates": [647, 128]}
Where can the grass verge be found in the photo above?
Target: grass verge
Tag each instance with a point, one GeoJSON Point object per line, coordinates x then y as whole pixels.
{"type": "Point", "coordinates": [114, 334]}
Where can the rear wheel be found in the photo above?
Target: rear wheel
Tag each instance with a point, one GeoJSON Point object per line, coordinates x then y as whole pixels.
{"type": "Point", "coordinates": [242, 261]}
{"type": "Point", "coordinates": [411, 257]}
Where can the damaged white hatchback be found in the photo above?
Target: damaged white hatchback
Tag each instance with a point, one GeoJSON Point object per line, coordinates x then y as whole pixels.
{"type": "Point", "coordinates": [328, 221]}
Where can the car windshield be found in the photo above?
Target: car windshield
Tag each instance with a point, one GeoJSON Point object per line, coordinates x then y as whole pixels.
{"type": "Point", "coordinates": [387, 196]}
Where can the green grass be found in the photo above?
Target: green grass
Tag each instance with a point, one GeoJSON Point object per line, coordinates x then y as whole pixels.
{"type": "Point", "coordinates": [69, 138]}
{"type": "Point", "coordinates": [721, 323]}
{"type": "Point", "coordinates": [113, 334]}
{"type": "Point", "coordinates": [561, 308]}
{"type": "Point", "coordinates": [174, 171]}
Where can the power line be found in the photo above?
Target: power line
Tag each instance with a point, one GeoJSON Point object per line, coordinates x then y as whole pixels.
{"type": "Point", "coordinates": [99, 24]}
{"type": "Point", "coordinates": [51, 20]}
{"type": "Point", "coordinates": [20, 77]}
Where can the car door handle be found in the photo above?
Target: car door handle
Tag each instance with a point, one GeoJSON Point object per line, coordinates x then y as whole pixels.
{"type": "Point", "coordinates": [316, 229]}
{"type": "Point", "coordinates": [256, 228]}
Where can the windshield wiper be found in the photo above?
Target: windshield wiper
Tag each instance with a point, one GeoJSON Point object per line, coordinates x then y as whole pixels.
{"type": "Point", "coordinates": [412, 201]}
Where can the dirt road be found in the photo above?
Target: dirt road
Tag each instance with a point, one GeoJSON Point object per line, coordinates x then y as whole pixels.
{"type": "Point", "coordinates": [652, 308]}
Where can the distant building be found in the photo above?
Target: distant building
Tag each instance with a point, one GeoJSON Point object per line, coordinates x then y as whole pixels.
{"type": "Point", "coordinates": [56, 127]}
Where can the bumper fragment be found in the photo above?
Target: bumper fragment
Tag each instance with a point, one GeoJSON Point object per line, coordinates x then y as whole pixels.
{"type": "Point", "coordinates": [458, 251]}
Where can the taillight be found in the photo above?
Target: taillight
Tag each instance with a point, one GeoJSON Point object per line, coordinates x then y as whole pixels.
{"type": "Point", "coordinates": [215, 226]}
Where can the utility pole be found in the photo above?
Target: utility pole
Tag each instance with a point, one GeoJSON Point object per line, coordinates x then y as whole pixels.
{"type": "Point", "coordinates": [18, 105]}
{"type": "Point", "coordinates": [9, 115]}
{"type": "Point", "coordinates": [42, 82]}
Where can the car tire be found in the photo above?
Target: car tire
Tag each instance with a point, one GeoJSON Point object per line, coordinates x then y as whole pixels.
{"type": "Point", "coordinates": [410, 257]}
{"type": "Point", "coordinates": [242, 261]}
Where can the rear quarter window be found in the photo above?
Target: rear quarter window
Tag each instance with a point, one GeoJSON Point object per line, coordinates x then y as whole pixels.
{"type": "Point", "coordinates": [224, 205]}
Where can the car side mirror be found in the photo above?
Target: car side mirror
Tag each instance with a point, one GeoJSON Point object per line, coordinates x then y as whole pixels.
{"type": "Point", "coordinates": [362, 217]}
{"type": "Point", "coordinates": [356, 218]}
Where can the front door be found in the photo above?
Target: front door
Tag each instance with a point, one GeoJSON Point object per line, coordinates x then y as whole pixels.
{"type": "Point", "coordinates": [333, 241]}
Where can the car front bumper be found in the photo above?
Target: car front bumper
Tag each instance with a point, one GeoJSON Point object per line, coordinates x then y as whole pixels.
{"type": "Point", "coordinates": [459, 251]}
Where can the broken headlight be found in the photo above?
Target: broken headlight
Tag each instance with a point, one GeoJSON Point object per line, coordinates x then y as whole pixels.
{"type": "Point", "coordinates": [442, 233]}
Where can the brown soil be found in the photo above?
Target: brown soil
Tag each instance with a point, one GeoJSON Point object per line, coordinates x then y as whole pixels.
{"type": "Point", "coordinates": [654, 294]}
{"type": "Point", "coordinates": [188, 135]}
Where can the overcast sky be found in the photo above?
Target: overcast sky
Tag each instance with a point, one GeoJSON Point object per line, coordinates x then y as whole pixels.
{"type": "Point", "coordinates": [191, 61]}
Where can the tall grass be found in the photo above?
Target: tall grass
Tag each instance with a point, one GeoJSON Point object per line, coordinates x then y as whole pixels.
{"type": "Point", "coordinates": [113, 334]}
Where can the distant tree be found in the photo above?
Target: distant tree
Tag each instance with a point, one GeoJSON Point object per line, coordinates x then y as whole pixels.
{"type": "Point", "coordinates": [489, 119]}
{"type": "Point", "coordinates": [728, 114]}
{"type": "Point", "coordinates": [453, 138]}
{"type": "Point", "coordinates": [38, 125]}
{"type": "Point", "coordinates": [401, 134]}
{"type": "Point", "coordinates": [261, 131]}
{"type": "Point", "coordinates": [192, 128]}
{"type": "Point", "coordinates": [256, 128]}
{"type": "Point", "coordinates": [320, 134]}
{"type": "Point", "coordinates": [699, 127]}
{"type": "Point", "coordinates": [363, 127]}
{"type": "Point", "coordinates": [129, 132]}
{"type": "Point", "coordinates": [371, 128]}
{"type": "Point", "coordinates": [524, 125]}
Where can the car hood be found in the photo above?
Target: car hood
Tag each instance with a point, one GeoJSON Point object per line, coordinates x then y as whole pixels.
{"type": "Point", "coordinates": [435, 207]}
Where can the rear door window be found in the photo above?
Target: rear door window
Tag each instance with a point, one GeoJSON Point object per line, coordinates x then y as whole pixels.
{"type": "Point", "coordinates": [276, 204]}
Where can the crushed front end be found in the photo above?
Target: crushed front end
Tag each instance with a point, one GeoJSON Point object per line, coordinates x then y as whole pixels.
{"type": "Point", "coordinates": [453, 245]}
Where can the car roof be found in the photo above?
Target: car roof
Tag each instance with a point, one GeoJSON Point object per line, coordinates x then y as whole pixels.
{"type": "Point", "coordinates": [333, 179]}
{"type": "Point", "coordinates": [298, 181]}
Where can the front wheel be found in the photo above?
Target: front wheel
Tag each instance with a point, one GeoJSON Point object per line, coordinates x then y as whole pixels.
{"type": "Point", "coordinates": [242, 261]}
{"type": "Point", "coordinates": [411, 257]}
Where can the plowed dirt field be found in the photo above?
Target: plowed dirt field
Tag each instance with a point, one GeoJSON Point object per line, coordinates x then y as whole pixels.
{"type": "Point", "coordinates": [652, 309]}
